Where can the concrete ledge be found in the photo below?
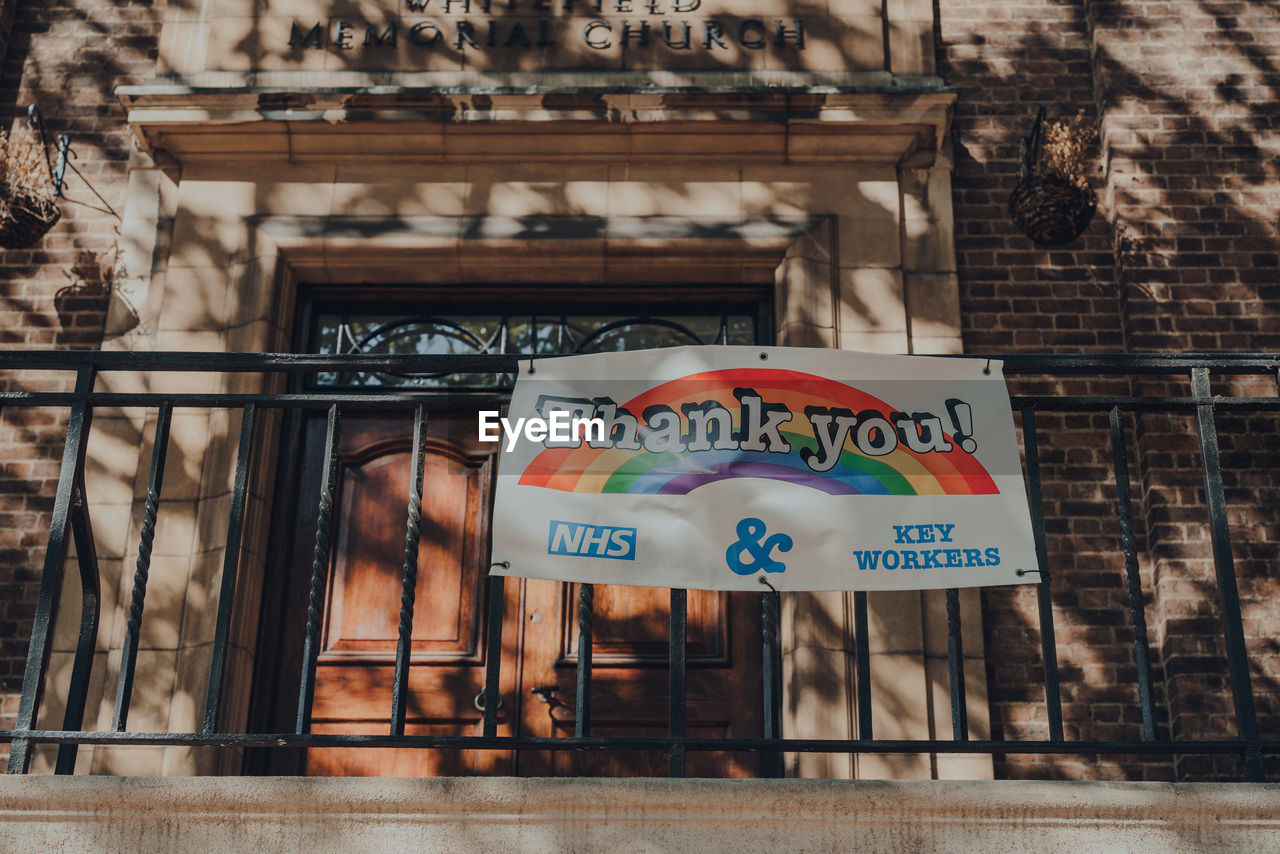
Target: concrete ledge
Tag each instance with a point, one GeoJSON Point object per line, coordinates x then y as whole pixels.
{"type": "Point", "coordinates": [94, 814]}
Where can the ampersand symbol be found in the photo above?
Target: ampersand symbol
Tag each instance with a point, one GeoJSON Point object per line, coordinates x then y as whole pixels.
{"type": "Point", "coordinates": [750, 531]}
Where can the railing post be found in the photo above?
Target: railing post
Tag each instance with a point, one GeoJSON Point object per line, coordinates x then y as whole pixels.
{"type": "Point", "coordinates": [1225, 567]}
{"type": "Point", "coordinates": [493, 656]}
{"type": "Point", "coordinates": [1133, 581]}
{"type": "Point", "coordinates": [676, 679]}
{"type": "Point", "coordinates": [862, 665]}
{"type": "Point", "coordinates": [582, 699]}
{"type": "Point", "coordinates": [90, 597]}
{"type": "Point", "coordinates": [955, 668]}
{"type": "Point", "coordinates": [1048, 640]}
{"type": "Point", "coordinates": [73, 453]}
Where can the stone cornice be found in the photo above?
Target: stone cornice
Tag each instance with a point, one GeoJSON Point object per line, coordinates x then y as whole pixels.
{"type": "Point", "coordinates": [385, 117]}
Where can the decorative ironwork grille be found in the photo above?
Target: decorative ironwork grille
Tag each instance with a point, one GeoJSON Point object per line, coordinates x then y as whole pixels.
{"type": "Point", "coordinates": [504, 334]}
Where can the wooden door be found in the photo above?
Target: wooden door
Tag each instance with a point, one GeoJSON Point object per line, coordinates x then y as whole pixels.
{"type": "Point", "coordinates": [354, 673]}
{"type": "Point", "coordinates": [540, 631]}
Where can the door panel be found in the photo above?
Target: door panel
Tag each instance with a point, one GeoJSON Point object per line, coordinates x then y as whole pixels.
{"type": "Point", "coordinates": [356, 666]}
{"type": "Point", "coordinates": [631, 624]}
{"type": "Point", "coordinates": [364, 600]}
{"type": "Point", "coordinates": [629, 677]}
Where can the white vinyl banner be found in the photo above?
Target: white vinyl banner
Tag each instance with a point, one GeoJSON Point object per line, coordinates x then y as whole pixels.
{"type": "Point", "coordinates": [713, 467]}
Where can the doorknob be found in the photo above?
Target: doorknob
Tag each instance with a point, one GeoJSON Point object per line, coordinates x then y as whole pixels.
{"type": "Point", "coordinates": [479, 701]}
{"type": "Point", "coordinates": [546, 693]}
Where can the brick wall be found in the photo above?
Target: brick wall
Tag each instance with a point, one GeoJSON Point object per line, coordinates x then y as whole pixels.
{"type": "Point", "coordinates": [1182, 256]}
{"type": "Point", "coordinates": [1020, 297]}
{"type": "Point", "coordinates": [1190, 133]}
{"type": "Point", "coordinates": [67, 56]}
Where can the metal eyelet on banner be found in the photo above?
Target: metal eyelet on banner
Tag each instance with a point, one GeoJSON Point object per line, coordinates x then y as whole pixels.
{"type": "Point", "coordinates": [532, 369]}
{"type": "Point", "coordinates": [1021, 572]}
{"type": "Point", "coordinates": [505, 564]}
{"type": "Point", "coordinates": [765, 581]}
{"type": "Point", "coordinates": [764, 356]}
{"type": "Point", "coordinates": [987, 368]}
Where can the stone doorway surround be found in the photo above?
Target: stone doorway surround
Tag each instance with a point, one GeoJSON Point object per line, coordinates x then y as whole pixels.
{"type": "Point", "coordinates": [840, 200]}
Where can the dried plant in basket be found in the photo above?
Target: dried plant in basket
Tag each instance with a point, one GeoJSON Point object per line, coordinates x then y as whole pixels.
{"type": "Point", "coordinates": [1053, 202]}
{"type": "Point", "coordinates": [27, 208]}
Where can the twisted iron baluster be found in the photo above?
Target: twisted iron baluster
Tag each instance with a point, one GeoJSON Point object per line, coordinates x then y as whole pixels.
{"type": "Point", "coordinates": [142, 571]}
{"type": "Point", "coordinates": [319, 569]}
{"type": "Point", "coordinates": [769, 614]}
{"type": "Point", "coordinates": [320, 559]}
{"type": "Point", "coordinates": [409, 576]}
{"type": "Point", "coordinates": [770, 675]}
{"type": "Point", "coordinates": [409, 579]}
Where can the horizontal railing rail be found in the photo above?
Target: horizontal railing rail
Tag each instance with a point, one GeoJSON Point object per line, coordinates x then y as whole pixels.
{"type": "Point", "coordinates": [70, 521]}
{"type": "Point", "coordinates": [1116, 364]}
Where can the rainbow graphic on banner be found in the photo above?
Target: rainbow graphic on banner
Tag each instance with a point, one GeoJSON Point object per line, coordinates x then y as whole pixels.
{"type": "Point", "coordinates": [901, 472]}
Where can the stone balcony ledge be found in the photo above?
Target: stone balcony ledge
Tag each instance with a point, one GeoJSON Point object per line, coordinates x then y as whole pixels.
{"type": "Point", "coordinates": [92, 814]}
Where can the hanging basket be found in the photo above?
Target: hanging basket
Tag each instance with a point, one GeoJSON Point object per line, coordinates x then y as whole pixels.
{"type": "Point", "coordinates": [1051, 211]}
{"type": "Point", "coordinates": [1045, 206]}
{"type": "Point", "coordinates": [25, 216]}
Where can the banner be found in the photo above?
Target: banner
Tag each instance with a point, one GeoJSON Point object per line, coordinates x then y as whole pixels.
{"type": "Point", "coordinates": [713, 467]}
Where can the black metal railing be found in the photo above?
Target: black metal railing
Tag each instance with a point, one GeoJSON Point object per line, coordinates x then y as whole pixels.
{"type": "Point", "coordinates": [70, 516]}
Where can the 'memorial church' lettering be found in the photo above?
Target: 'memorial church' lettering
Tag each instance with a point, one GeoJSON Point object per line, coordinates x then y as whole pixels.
{"type": "Point", "coordinates": [471, 25]}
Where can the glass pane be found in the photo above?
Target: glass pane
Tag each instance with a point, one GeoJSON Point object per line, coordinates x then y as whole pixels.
{"type": "Point", "coordinates": [613, 334]}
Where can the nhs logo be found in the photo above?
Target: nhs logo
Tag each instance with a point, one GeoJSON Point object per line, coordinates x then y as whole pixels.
{"type": "Point", "coordinates": [571, 538]}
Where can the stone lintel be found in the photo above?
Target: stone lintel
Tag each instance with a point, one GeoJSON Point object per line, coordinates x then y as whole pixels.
{"type": "Point", "coordinates": [489, 248]}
